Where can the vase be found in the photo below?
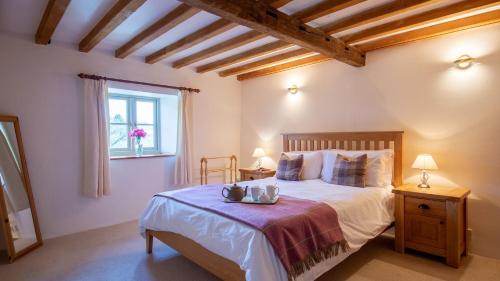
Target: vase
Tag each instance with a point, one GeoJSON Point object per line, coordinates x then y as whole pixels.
{"type": "Point", "coordinates": [139, 150]}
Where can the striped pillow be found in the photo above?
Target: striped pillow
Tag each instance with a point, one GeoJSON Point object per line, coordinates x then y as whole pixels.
{"type": "Point", "coordinates": [350, 171]}
{"type": "Point", "coordinates": [290, 168]}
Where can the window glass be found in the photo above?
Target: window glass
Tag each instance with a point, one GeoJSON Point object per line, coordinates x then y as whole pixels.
{"type": "Point", "coordinates": [118, 110]}
{"type": "Point", "coordinates": [118, 136]}
{"type": "Point", "coordinates": [145, 112]}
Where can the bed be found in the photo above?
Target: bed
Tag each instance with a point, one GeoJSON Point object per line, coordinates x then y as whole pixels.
{"type": "Point", "coordinates": [235, 251]}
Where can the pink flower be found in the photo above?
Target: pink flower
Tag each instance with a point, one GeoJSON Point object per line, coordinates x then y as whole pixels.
{"type": "Point", "coordinates": [137, 133]}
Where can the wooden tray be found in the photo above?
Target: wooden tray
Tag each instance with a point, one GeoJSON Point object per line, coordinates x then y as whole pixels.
{"type": "Point", "coordinates": [249, 200]}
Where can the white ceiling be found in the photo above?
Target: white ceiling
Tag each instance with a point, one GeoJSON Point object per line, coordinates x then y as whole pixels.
{"type": "Point", "coordinates": [82, 15]}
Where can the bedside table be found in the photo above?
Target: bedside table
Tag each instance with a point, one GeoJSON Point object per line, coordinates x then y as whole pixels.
{"type": "Point", "coordinates": [254, 174]}
{"type": "Point", "coordinates": [432, 220]}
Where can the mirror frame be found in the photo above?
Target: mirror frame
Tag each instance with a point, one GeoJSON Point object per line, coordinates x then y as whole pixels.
{"type": "Point", "coordinates": [13, 255]}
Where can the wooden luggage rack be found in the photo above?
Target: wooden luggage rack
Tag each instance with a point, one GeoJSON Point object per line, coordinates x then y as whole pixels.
{"type": "Point", "coordinates": [204, 170]}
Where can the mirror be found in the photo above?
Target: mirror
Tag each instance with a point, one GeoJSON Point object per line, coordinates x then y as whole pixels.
{"type": "Point", "coordinates": [17, 208]}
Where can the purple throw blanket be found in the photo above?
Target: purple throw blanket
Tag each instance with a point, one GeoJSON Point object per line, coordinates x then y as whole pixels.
{"type": "Point", "coordinates": [302, 232]}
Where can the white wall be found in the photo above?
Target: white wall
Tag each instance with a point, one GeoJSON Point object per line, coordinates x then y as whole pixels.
{"type": "Point", "coordinates": [39, 84]}
{"type": "Point", "coordinates": [452, 114]}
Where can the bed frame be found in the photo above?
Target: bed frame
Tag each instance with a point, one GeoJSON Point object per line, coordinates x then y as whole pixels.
{"type": "Point", "coordinates": [228, 270]}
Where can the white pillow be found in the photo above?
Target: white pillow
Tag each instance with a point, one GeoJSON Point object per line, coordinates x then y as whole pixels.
{"type": "Point", "coordinates": [311, 169]}
{"type": "Point", "coordinates": [379, 167]}
{"type": "Point", "coordinates": [329, 157]}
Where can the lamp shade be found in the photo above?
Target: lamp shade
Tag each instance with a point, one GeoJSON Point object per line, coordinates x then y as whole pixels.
{"type": "Point", "coordinates": [425, 162]}
{"type": "Point", "coordinates": [259, 152]}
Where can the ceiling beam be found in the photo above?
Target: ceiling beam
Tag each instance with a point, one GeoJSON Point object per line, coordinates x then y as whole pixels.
{"type": "Point", "coordinates": [283, 67]}
{"type": "Point", "coordinates": [267, 62]}
{"type": "Point", "coordinates": [314, 12]}
{"type": "Point", "coordinates": [435, 30]}
{"type": "Point", "coordinates": [324, 8]}
{"type": "Point", "coordinates": [230, 44]}
{"type": "Point", "coordinates": [201, 35]}
{"type": "Point", "coordinates": [160, 27]}
{"type": "Point", "coordinates": [393, 7]}
{"type": "Point", "coordinates": [112, 19]}
{"type": "Point", "coordinates": [375, 14]}
{"type": "Point", "coordinates": [192, 39]}
{"type": "Point", "coordinates": [266, 19]}
{"type": "Point", "coordinates": [406, 37]}
{"type": "Point", "coordinates": [241, 57]}
{"type": "Point", "coordinates": [53, 13]}
{"type": "Point", "coordinates": [435, 15]}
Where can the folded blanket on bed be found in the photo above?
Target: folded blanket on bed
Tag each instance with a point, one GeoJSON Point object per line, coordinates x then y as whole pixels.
{"type": "Point", "coordinates": [302, 232]}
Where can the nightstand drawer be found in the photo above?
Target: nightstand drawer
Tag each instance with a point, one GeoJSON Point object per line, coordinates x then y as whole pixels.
{"type": "Point", "coordinates": [425, 207]}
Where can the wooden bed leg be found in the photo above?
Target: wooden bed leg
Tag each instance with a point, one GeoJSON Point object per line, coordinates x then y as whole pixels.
{"type": "Point", "coordinates": [149, 242]}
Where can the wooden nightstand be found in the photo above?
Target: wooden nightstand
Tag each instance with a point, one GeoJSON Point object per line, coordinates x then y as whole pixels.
{"type": "Point", "coordinates": [254, 174]}
{"type": "Point", "coordinates": [432, 220]}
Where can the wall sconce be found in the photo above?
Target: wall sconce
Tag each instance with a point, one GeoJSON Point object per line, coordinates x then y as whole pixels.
{"type": "Point", "coordinates": [464, 62]}
{"type": "Point", "coordinates": [293, 89]}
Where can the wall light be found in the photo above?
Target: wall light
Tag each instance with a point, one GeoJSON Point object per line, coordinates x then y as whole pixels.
{"type": "Point", "coordinates": [464, 61]}
{"type": "Point", "coordinates": [293, 89]}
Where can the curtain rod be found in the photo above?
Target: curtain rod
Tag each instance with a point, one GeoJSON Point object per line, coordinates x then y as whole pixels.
{"type": "Point", "coordinates": [97, 77]}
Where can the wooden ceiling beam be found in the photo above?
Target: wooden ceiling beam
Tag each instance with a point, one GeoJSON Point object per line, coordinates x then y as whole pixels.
{"type": "Point", "coordinates": [53, 13]}
{"type": "Point", "coordinates": [283, 67]}
{"type": "Point", "coordinates": [402, 38]}
{"type": "Point", "coordinates": [267, 62]}
{"type": "Point", "coordinates": [453, 10]}
{"type": "Point", "coordinates": [207, 32]}
{"type": "Point", "coordinates": [266, 19]}
{"type": "Point", "coordinates": [241, 57]}
{"type": "Point", "coordinates": [230, 44]}
{"type": "Point", "coordinates": [111, 20]}
{"type": "Point", "coordinates": [324, 8]}
{"type": "Point", "coordinates": [160, 27]}
{"type": "Point", "coordinates": [375, 14]}
{"type": "Point", "coordinates": [316, 11]}
{"type": "Point", "coordinates": [434, 30]}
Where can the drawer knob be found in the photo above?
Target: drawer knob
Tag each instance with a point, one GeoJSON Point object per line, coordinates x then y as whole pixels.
{"type": "Point", "coordinates": [424, 207]}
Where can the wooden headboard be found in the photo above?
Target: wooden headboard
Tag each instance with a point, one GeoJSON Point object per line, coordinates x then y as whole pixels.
{"type": "Point", "coordinates": [350, 141]}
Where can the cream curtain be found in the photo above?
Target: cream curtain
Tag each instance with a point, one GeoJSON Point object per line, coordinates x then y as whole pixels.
{"type": "Point", "coordinates": [95, 139]}
{"type": "Point", "coordinates": [183, 161]}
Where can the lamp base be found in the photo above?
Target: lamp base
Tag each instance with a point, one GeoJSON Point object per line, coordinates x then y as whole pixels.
{"type": "Point", "coordinates": [259, 164]}
{"type": "Point", "coordinates": [424, 180]}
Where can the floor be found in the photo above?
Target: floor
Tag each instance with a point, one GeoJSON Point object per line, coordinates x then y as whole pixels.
{"type": "Point", "coordinates": [117, 253]}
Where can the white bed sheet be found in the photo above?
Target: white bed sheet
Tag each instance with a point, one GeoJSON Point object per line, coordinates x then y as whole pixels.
{"type": "Point", "coordinates": [363, 214]}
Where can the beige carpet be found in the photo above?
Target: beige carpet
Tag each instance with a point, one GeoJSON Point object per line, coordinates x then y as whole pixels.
{"type": "Point", "coordinates": [117, 253]}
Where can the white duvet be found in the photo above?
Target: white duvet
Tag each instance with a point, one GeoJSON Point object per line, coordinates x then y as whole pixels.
{"type": "Point", "coordinates": [363, 214]}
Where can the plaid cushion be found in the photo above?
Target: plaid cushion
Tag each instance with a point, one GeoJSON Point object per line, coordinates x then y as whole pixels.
{"type": "Point", "coordinates": [290, 168]}
{"type": "Point", "coordinates": [350, 171]}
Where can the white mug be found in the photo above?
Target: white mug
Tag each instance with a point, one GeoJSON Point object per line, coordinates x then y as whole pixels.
{"type": "Point", "coordinates": [272, 191]}
{"type": "Point", "coordinates": [256, 192]}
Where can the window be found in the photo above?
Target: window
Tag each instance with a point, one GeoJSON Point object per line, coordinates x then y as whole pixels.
{"type": "Point", "coordinates": [142, 107]}
{"type": "Point", "coordinates": [127, 112]}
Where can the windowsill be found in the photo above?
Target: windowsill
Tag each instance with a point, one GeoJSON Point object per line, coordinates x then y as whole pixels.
{"type": "Point", "coordinates": [140, 157]}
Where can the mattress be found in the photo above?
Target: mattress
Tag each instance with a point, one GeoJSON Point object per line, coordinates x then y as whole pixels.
{"type": "Point", "coordinates": [363, 214]}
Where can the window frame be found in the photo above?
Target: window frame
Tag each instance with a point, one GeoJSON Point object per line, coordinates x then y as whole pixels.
{"type": "Point", "coordinates": [131, 122]}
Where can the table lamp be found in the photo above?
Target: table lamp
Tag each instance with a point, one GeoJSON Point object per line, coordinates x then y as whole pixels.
{"type": "Point", "coordinates": [424, 162]}
{"type": "Point", "coordinates": [259, 153]}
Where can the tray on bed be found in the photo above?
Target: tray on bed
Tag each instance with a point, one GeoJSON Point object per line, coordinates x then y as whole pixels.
{"type": "Point", "coordinates": [249, 200]}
